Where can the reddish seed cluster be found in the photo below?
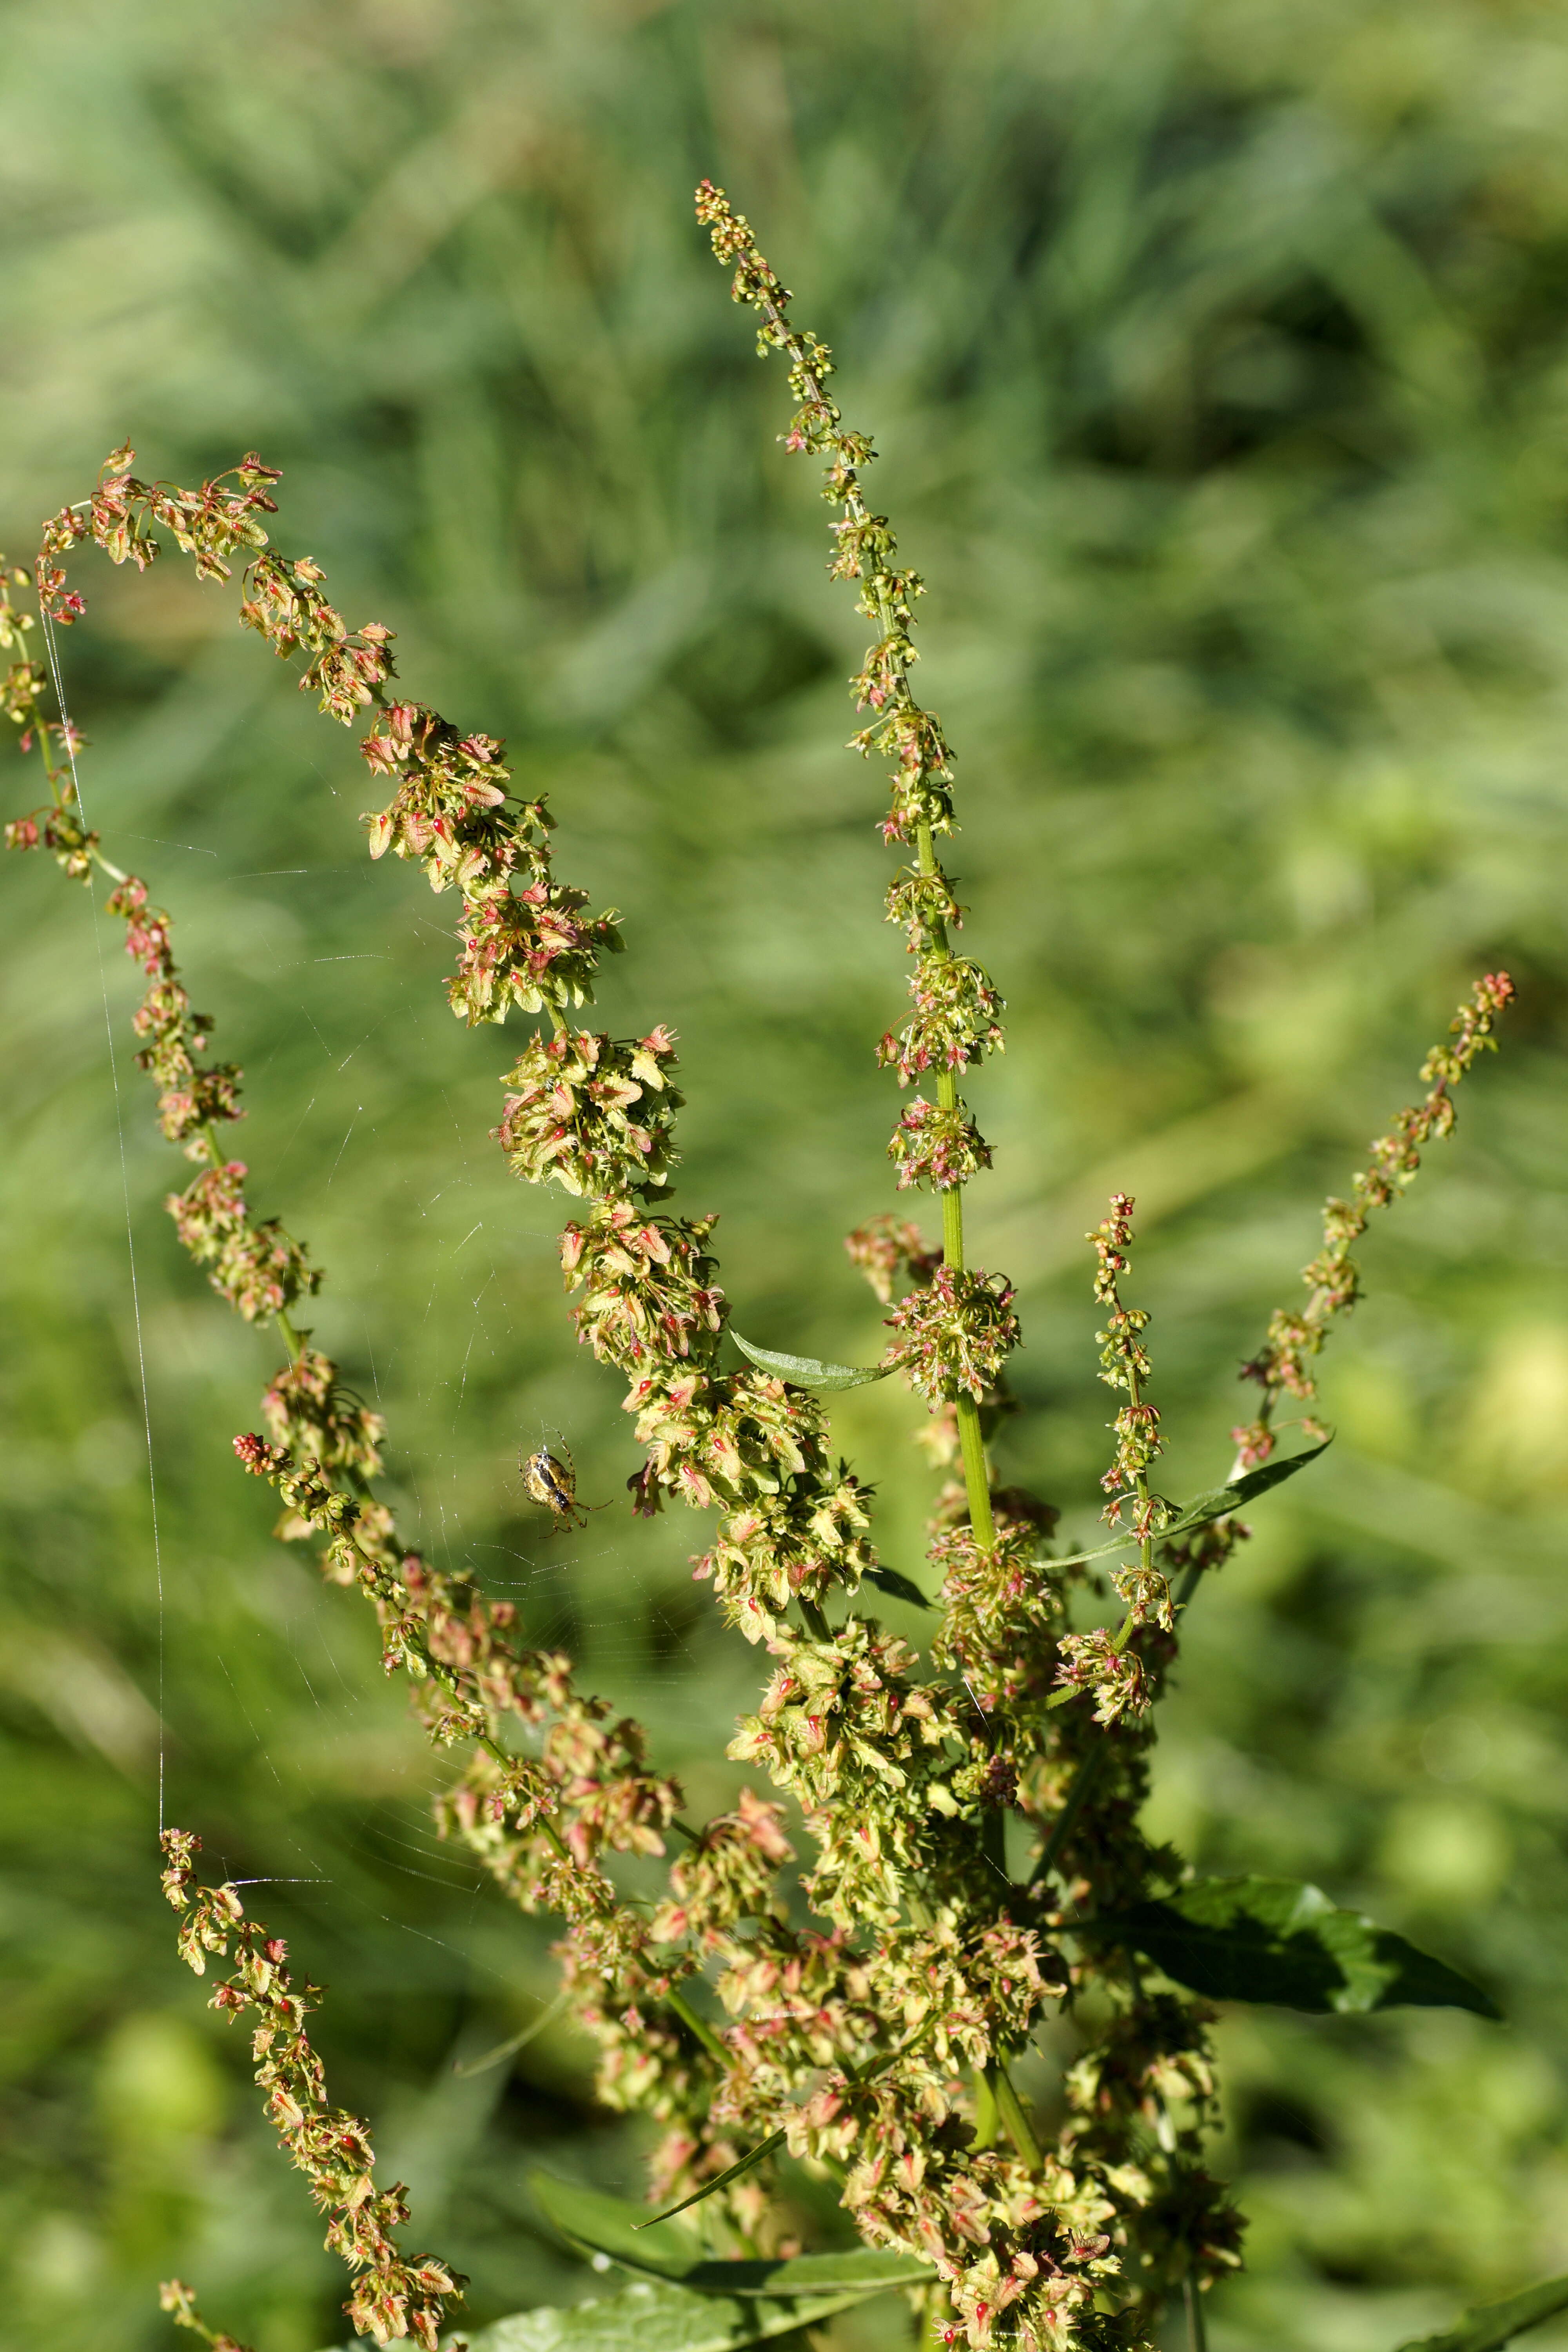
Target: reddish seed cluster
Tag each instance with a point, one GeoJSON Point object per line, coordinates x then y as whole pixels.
{"type": "Point", "coordinates": [953, 1021]}
{"type": "Point", "coordinates": [585, 1105]}
{"type": "Point", "coordinates": [886, 1250]}
{"type": "Point", "coordinates": [952, 1335]}
{"type": "Point", "coordinates": [394, 2295]}
{"type": "Point", "coordinates": [935, 1145]}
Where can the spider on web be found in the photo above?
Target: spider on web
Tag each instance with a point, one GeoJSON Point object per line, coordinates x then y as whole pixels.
{"type": "Point", "coordinates": [550, 1480]}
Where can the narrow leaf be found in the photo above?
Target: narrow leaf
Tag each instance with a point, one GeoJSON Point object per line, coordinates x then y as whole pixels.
{"type": "Point", "coordinates": [889, 1581]}
{"type": "Point", "coordinates": [857, 2077]}
{"type": "Point", "coordinates": [508, 2049]}
{"type": "Point", "coordinates": [1244, 1489]}
{"type": "Point", "coordinates": [1277, 1939]}
{"type": "Point", "coordinates": [1493, 2324]}
{"type": "Point", "coordinates": [807, 1372]}
{"type": "Point", "coordinates": [1214, 1505]}
{"type": "Point", "coordinates": [651, 2316]}
{"type": "Point", "coordinates": [614, 2226]}
{"type": "Point", "coordinates": [863, 2270]}
{"type": "Point", "coordinates": [672, 2250]}
{"type": "Point", "coordinates": [720, 2179]}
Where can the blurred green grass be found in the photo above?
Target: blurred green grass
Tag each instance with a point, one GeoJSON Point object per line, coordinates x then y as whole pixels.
{"type": "Point", "coordinates": [1217, 356]}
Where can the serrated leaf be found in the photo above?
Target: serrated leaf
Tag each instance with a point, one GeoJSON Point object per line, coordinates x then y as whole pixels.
{"type": "Point", "coordinates": [1279, 1941]}
{"type": "Point", "coordinates": [1490, 2326]}
{"type": "Point", "coordinates": [1214, 1505]}
{"type": "Point", "coordinates": [808, 1372]}
{"type": "Point", "coordinates": [651, 2317]}
{"type": "Point", "coordinates": [889, 1581]}
{"type": "Point", "coordinates": [672, 2250]}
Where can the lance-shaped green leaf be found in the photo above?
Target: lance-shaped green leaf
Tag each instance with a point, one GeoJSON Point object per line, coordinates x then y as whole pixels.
{"type": "Point", "coordinates": [1277, 1939]}
{"type": "Point", "coordinates": [1493, 2324]}
{"type": "Point", "coordinates": [614, 2226]}
{"type": "Point", "coordinates": [671, 2249]}
{"type": "Point", "coordinates": [742, 2165]}
{"type": "Point", "coordinates": [808, 1372]}
{"type": "Point", "coordinates": [651, 2317]}
{"type": "Point", "coordinates": [1215, 1504]}
{"type": "Point", "coordinates": [889, 1581]}
{"type": "Point", "coordinates": [856, 2076]}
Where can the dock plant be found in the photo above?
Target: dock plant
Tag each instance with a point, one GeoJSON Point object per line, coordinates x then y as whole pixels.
{"type": "Point", "coordinates": [936, 1852]}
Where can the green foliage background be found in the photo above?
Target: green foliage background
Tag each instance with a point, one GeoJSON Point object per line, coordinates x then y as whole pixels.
{"type": "Point", "coordinates": [1217, 355]}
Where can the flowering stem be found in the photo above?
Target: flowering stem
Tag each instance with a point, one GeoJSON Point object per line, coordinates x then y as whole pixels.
{"type": "Point", "coordinates": [815, 1620]}
{"type": "Point", "coordinates": [1146, 1542]}
{"type": "Point", "coordinates": [1078, 1794]}
{"type": "Point", "coordinates": [971, 1443]}
{"type": "Point", "coordinates": [1009, 2107]}
{"type": "Point", "coordinates": [1141, 1476]}
{"type": "Point", "coordinates": [697, 2026]}
{"type": "Point", "coordinates": [880, 605]}
{"type": "Point", "coordinates": [975, 1479]}
{"type": "Point", "coordinates": [984, 2110]}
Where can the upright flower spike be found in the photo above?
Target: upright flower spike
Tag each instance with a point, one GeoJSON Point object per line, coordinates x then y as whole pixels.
{"type": "Point", "coordinates": [1118, 1671]}
{"type": "Point", "coordinates": [953, 1021]}
{"type": "Point", "coordinates": [1283, 1365]}
{"type": "Point", "coordinates": [953, 1329]}
{"type": "Point", "coordinates": [1124, 1365]}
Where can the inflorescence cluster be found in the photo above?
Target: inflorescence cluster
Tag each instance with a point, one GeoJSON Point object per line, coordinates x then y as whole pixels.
{"type": "Point", "coordinates": [392, 2295]}
{"type": "Point", "coordinates": [876, 2040]}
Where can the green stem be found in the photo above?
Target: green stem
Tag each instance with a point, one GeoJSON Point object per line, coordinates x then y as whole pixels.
{"type": "Point", "coordinates": [1082, 1782]}
{"type": "Point", "coordinates": [986, 2117]}
{"type": "Point", "coordinates": [1008, 2107]}
{"type": "Point", "coordinates": [1189, 1585]}
{"type": "Point", "coordinates": [1197, 2334]}
{"type": "Point", "coordinates": [697, 2026]}
{"type": "Point", "coordinates": [953, 1200]}
{"type": "Point", "coordinates": [940, 2317]}
{"type": "Point", "coordinates": [976, 1478]}
{"type": "Point", "coordinates": [814, 1620]}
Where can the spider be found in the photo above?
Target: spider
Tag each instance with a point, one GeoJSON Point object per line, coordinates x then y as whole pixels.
{"type": "Point", "coordinates": [551, 1481]}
